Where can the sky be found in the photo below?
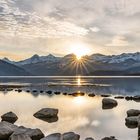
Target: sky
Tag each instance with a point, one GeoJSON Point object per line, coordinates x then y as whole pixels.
{"type": "Point", "coordinates": [29, 27]}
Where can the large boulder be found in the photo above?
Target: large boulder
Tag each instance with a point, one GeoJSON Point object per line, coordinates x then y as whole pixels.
{"type": "Point", "coordinates": [108, 103]}
{"type": "Point", "coordinates": [133, 112]}
{"type": "Point", "coordinates": [55, 136]}
{"type": "Point", "coordinates": [70, 136]}
{"type": "Point", "coordinates": [34, 134]}
{"type": "Point", "coordinates": [9, 117]}
{"type": "Point", "coordinates": [6, 129]}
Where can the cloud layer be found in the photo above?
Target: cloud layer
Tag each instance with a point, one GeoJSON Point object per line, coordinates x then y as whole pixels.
{"type": "Point", "coordinates": [108, 26]}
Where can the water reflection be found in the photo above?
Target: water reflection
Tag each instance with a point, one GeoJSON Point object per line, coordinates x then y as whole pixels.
{"type": "Point", "coordinates": [81, 114]}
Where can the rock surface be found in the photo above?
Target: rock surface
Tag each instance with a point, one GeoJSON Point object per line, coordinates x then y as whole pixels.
{"type": "Point", "coordinates": [55, 136]}
{"type": "Point", "coordinates": [46, 113]}
{"type": "Point", "coordinates": [133, 112]}
{"type": "Point", "coordinates": [6, 129]}
{"type": "Point", "coordinates": [9, 117]}
{"type": "Point", "coordinates": [89, 138]}
{"type": "Point", "coordinates": [19, 137]}
{"type": "Point", "coordinates": [108, 103]}
{"type": "Point", "coordinates": [70, 136]}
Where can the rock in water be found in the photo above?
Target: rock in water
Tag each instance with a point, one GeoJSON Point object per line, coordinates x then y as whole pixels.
{"type": "Point", "coordinates": [55, 136]}
{"type": "Point", "coordinates": [6, 129]}
{"type": "Point", "coordinates": [47, 114]}
{"type": "Point", "coordinates": [133, 112]}
{"type": "Point", "coordinates": [9, 117]}
{"type": "Point", "coordinates": [108, 103]}
{"type": "Point", "coordinates": [109, 138]}
{"type": "Point", "coordinates": [70, 136]}
{"type": "Point", "coordinates": [131, 122]}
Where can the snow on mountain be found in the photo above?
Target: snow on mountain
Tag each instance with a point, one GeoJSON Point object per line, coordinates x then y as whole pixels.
{"type": "Point", "coordinates": [116, 58]}
{"type": "Point", "coordinates": [36, 59]}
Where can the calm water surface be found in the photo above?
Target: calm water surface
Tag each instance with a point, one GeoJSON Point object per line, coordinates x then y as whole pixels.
{"type": "Point", "coordinates": [83, 115]}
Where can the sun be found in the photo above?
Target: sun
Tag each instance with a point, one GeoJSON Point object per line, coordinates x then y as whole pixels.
{"type": "Point", "coordinates": [79, 50]}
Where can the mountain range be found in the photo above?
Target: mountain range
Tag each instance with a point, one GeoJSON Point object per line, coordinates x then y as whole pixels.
{"type": "Point", "coordinates": [95, 64]}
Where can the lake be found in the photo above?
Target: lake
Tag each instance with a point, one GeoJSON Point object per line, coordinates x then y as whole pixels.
{"type": "Point", "coordinates": [83, 114]}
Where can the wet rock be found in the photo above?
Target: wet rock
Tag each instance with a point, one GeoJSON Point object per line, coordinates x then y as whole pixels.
{"type": "Point", "coordinates": [41, 91]}
{"type": "Point", "coordinates": [34, 134]}
{"type": "Point", "coordinates": [136, 98]}
{"type": "Point", "coordinates": [133, 112]}
{"type": "Point", "coordinates": [49, 92]}
{"type": "Point", "coordinates": [89, 138]}
{"type": "Point", "coordinates": [28, 91]}
{"type": "Point", "coordinates": [19, 90]}
{"type": "Point", "coordinates": [65, 93]}
{"type": "Point", "coordinates": [108, 103]}
{"type": "Point", "coordinates": [119, 97]}
{"type": "Point", "coordinates": [78, 94]}
{"type": "Point", "coordinates": [55, 136]}
{"type": "Point", "coordinates": [34, 91]}
{"type": "Point", "coordinates": [19, 137]}
{"type": "Point", "coordinates": [109, 138]}
{"type": "Point", "coordinates": [105, 95]}
{"type": "Point", "coordinates": [91, 95]}
{"type": "Point", "coordinates": [129, 98]}
{"type": "Point", "coordinates": [57, 93]}
{"type": "Point", "coordinates": [131, 122]}
{"type": "Point", "coordinates": [9, 117]}
{"type": "Point", "coordinates": [46, 113]}
{"type": "Point", "coordinates": [50, 119]}
{"type": "Point", "coordinates": [6, 129]}
{"type": "Point", "coordinates": [70, 136]}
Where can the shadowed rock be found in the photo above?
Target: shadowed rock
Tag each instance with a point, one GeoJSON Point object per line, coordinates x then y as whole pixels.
{"type": "Point", "coordinates": [55, 136]}
{"type": "Point", "coordinates": [131, 122]}
{"type": "Point", "coordinates": [34, 134]}
{"type": "Point", "coordinates": [105, 95]}
{"type": "Point", "coordinates": [6, 129]}
{"type": "Point", "coordinates": [109, 138]}
{"type": "Point", "coordinates": [70, 136]}
{"type": "Point", "coordinates": [119, 97]}
{"type": "Point", "coordinates": [136, 98]}
{"type": "Point", "coordinates": [47, 114]}
{"type": "Point", "coordinates": [19, 137]}
{"type": "Point", "coordinates": [129, 98]}
{"type": "Point", "coordinates": [133, 112]}
{"type": "Point", "coordinates": [57, 93]}
{"type": "Point", "coordinates": [9, 117]}
{"type": "Point", "coordinates": [89, 138]}
{"type": "Point", "coordinates": [108, 103]}
{"type": "Point", "coordinates": [91, 95]}
{"type": "Point", "coordinates": [49, 92]}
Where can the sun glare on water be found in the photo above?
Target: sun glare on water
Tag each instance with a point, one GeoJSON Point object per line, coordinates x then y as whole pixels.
{"type": "Point", "coordinates": [79, 50]}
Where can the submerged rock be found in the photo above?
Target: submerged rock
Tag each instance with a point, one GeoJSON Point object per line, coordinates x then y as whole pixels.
{"type": "Point", "coordinates": [6, 129]}
{"type": "Point", "coordinates": [133, 112]}
{"type": "Point", "coordinates": [70, 136]}
{"type": "Point", "coordinates": [9, 117]}
{"type": "Point", "coordinates": [108, 103]}
{"type": "Point", "coordinates": [55, 136]}
{"type": "Point", "coordinates": [49, 92]}
{"type": "Point", "coordinates": [105, 95]}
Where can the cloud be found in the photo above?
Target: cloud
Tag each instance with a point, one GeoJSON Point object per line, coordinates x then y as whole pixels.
{"type": "Point", "coordinates": [118, 41]}
{"type": "Point", "coordinates": [94, 29]}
